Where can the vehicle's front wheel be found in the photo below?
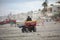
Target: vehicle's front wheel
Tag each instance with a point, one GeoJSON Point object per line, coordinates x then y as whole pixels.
{"type": "Point", "coordinates": [22, 30]}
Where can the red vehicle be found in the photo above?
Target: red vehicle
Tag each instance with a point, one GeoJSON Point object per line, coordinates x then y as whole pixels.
{"type": "Point", "coordinates": [1, 23]}
{"type": "Point", "coordinates": [7, 21]}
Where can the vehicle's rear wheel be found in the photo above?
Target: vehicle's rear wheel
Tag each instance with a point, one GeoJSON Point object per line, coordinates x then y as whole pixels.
{"type": "Point", "coordinates": [34, 29]}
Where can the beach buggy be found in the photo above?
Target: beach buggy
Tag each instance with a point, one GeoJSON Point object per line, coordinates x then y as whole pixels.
{"type": "Point", "coordinates": [28, 25]}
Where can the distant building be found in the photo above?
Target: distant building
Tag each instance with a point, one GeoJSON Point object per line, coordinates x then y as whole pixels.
{"type": "Point", "coordinates": [56, 8]}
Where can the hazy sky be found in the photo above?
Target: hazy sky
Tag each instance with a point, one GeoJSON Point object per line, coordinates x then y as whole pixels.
{"type": "Point", "coordinates": [17, 6]}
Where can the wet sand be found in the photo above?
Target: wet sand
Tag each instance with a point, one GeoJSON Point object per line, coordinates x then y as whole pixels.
{"type": "Point", "coordinates": [49, 31]}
